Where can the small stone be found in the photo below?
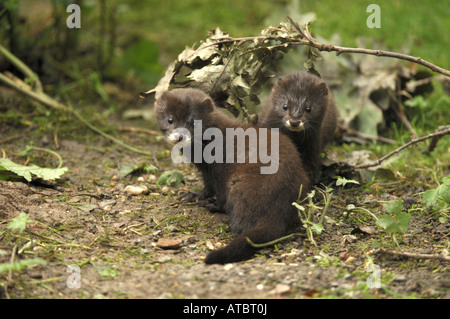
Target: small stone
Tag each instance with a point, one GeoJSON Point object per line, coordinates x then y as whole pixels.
{"type": "Point", "coordinates": [343, 255]}
{"type": "Point", "coordinates": [350, 259]}
{"type": "Point", "coordinates": [165, 189]}
{"type": "Point", "coordinates": [168, 243]}
{"type": "Point", "coordinates": [209, 245]}
{"type": "Point", "coordinates": [38, 249]}
{"type": "Point", "coordinates": [228, 266]}
{"type": "Point", "coordinates": [136, 190]}
{"type": "Point", "coordinates": [106, 203]}
{"type": "Point", "coordinates": [281, 289]}
{"type": "Point", "coordinates": [164, 259]}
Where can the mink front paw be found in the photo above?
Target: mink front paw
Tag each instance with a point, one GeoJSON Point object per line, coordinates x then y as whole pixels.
{"type": "Point", "coordinates": [188, 196]}
{"type": "Point", "coordinates": [194, 197]}
{"type": "Point", "coordinates": [211, 205]}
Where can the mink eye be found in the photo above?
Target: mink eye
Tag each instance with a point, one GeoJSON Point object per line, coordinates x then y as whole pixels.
{"type": "Point", "coordinates": [285, 107]}
{"type": "Point", "coordinates": [308, 109]}
{"type": "Point", "coordinates": [170, 120]}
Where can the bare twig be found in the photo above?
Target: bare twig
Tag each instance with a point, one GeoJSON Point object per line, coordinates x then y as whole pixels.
{"type": "Point", "coordinates": [139, 130]}
{"type": "Point", "coordinates": [11, 138]}
{"type": "Point", "coordinates": [347, 130]}
{"type": "Point", "coordinates": [442, 256]}
{"type": "Point", "coordinates": [441, 131]}
{"type": "Point", "coordinates": [329, 47]}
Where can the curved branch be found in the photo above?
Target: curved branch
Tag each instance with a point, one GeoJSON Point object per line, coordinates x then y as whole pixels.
{"type": "Point", "coordinates": [441, 131]}
{"type": "Point", "coordinates": [329, 47]}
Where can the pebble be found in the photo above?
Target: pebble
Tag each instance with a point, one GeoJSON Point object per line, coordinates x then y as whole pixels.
{"type": "Point", "coordinates": [168, 243]}
{"type": "Point", "coordinates": [228, 266]}
{"type": "Point", "coordinates": [106, 203]}
{"type": "Point", "coordinates": [136, 190]}
{"type": "Point", "coordinates": [281, 289]}
{"type": "Point", "coordinates": [350, 259]}
{"type": "Point", "coordinates": [164, 259]}
{"type": "Point", "coordinates": [38, 249]}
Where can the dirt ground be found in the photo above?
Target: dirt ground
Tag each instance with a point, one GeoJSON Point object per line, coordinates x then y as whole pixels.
{"type": "Point", "coordinates": [99, 242]}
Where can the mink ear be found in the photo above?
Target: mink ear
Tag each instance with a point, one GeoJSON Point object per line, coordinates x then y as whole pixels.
{"type": "Point", "coordinates": [162, 101]}
{"type": "Point", "coordinates": [322, 89]}
{"type": "Point", "coordinates": [207, 104]}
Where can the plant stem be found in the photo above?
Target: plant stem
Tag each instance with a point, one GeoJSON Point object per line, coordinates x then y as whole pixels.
{"type": "Point", "coordinates": [22, 67]}
{"type": "Point", "coordinates": [273, 242]}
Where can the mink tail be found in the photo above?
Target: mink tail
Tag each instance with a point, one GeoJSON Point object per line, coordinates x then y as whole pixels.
{"type": "Point", "coordinates": [240, 249]}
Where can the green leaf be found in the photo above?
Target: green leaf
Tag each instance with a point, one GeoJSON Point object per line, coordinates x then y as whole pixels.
{"type": "Point", "coordinates": [394, 207]}
{"type": "Point", "coordinates": [108, 272]}
{"type": "Point", "coordinates": [385, 221]}
{"type": "Point", "coordinates": [444, 193]}
{"type": "Point", "coordinates": [430, 197]}
{"type": "Point", "coordinates": [403, 221]}
{"type": "Point", "coordinates": [19, 223]}
{"type": "Point", "coordinates": [395, 225]}
{"type": "Point", "coordinates": [127, 170]}
{"type": "Point", "coordinates": [438, 196]}
{"type": "Point", "coordinates": [171, 178]}
{"type": "Point", "coordinates": [318, 228]}
{"type": "Point", "coordinates": [26, 171]}
{"type": "Point", "coordinates": [343, 181]}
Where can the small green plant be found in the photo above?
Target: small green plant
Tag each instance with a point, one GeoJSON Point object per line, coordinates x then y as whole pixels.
{"type": "Point", "coordinates": [171, 178]}
{"type": "Point", "coordinates": [19, 223]}
{"type": "Point", "coordinates": [438, 199]}
{"type": "Point", "coordinates": [306, 212]}
{"type": "Point", "coordinates": [397, 221]}
{"type": "Point", "coordinates": [108, 272]}
{"type": "Point", "coordinates": [343, 181]}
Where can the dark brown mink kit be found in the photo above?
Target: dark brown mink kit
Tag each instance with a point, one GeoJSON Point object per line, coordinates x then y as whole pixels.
{"type": "Point", "coordinates": [302, 107]}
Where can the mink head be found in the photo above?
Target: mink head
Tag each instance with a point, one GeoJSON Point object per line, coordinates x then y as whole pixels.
{"type": "Point", "coordinates": [299, 100]}
{"type": "Point", "coordinates": [178, 110]}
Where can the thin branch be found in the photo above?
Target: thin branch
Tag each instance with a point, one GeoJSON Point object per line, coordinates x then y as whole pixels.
{"type": "Point", "coordinates": [441, 131]}
{"type": "Point", "coordinates": [139, 130]}
{"type": "Point", "coordinates": [329, 47]}
{"type": "Point", "coordinates": [443, 256]}
{"type": "Point", "coordinates": [351, 132]}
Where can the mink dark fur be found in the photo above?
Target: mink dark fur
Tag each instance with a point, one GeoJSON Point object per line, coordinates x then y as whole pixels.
{"type": "Point", "coordinates": [303, 108]}
{"type": "Point", "coordinates": [259, 205]}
